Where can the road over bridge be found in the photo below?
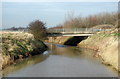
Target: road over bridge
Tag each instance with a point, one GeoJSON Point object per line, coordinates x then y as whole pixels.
{"type": "Point", "coordinates": [74, 32]}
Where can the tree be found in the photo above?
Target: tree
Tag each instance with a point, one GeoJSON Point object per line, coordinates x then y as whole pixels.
{"type": "Point", "coordinates": [13, 28]}
{"type": "Point", "coordinates": [38, 29]}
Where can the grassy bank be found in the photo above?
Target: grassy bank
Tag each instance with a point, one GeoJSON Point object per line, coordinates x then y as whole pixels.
{"type": "Point", "coordinates": [106, 45]}
{"type": "Point", "coordinates": [18, 45]}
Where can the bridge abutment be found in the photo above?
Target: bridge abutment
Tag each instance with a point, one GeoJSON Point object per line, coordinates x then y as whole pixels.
{"type": "Point", "coordinates": [75, 40]}
{"type": "Point", "coordinates": [66, 40]}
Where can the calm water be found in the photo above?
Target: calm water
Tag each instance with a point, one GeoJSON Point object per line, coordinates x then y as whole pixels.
{"type": "Point", "coordinates": [60, 61]}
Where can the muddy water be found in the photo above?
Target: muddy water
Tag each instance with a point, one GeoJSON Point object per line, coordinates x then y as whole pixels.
{"type": "Point", "coordinates": [60, 61]}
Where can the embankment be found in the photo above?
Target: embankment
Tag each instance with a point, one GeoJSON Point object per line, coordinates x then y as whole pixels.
{"type": "Point", "coordinates": [107, 47]}
{"type": "Point", "coordinates": [18, 45]}
{"type": "Point", "coordinates": [104, 43]}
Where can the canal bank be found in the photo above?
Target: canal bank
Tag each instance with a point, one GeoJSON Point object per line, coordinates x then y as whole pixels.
{"type": "Point", "coordinates": [60, 61]}
{"type": "Point", "coordinates": [104, 43]}
{"type": "Point", "coordinates": [18, 45]}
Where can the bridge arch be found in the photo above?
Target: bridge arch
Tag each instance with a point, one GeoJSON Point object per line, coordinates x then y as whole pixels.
{"type": "Point", "coordinates": [75, 40]}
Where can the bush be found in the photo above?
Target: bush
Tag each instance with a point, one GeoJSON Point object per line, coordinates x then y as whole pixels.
{"type": "Point", "coordinates": [38, 29]}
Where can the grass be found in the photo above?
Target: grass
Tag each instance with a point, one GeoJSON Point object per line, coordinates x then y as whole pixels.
{"type": "Point", "coordinates": [16, 44]}
{"type": "Point", "coordinates": [116, 34]}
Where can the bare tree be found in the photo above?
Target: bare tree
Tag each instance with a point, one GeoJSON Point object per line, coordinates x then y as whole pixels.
{"type": "Point", "coordinates": [91, 20]}
{"type": "Point", "coordinates": [38, 29]}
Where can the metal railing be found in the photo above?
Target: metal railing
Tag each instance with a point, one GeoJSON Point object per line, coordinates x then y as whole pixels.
{"type": "Point", "coordinates": [77, 30]}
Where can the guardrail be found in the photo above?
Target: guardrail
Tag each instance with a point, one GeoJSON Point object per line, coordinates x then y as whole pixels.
{"type": "Point", "coordinates": [77, 30]}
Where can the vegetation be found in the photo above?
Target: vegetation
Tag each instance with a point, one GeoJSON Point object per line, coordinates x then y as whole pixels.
{"type": "Point", "coordinates": [16, 28]}
{"type": "Point", "coordinates": [17, 44]}
{"type": "Point", "coordinates": [90, 21]}
{"type": "Point", "coordinates": [106, 46]}
{"type": "Point", "coordinates": [38, 29]}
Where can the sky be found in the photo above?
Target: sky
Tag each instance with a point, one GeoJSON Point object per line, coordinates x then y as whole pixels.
{"type": "Point", "coordinates": [60, 0]}
{"type": "Point", "coordinates": [52, 13]}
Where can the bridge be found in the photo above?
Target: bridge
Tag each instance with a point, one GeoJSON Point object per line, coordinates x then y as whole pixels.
{"type": "Point", "coordinates": [74, 31]}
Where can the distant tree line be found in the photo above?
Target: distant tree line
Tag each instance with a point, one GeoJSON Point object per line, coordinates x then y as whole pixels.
{"type": "Point", "coordinates": [89, 21]}
{"type": "Point", "coordinates": [16, 28]}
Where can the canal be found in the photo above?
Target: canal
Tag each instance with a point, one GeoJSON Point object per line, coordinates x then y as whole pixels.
{"type": "Point", "coordinates": [60, 61]}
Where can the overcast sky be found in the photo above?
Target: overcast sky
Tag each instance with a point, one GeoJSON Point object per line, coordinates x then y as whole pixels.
{"type": "Point", "coordinates": [52, 13]}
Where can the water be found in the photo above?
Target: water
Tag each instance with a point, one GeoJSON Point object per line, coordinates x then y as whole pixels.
{"type": "Point", "coordinates": [60, 61]}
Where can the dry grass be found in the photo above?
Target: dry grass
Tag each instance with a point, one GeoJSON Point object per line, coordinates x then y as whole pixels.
{"type": "Point", "coordinates": [107, 45]}
{"type": "Point", "coordinates": [18, 45]}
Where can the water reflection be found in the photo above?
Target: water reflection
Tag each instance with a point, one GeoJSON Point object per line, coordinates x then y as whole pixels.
{"type": "Point", "coordinates": [71, 51]}
{"type": "Point", "coordinates": [23, 63]}
{"type": "Point", "coordinates": [59, 61]}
